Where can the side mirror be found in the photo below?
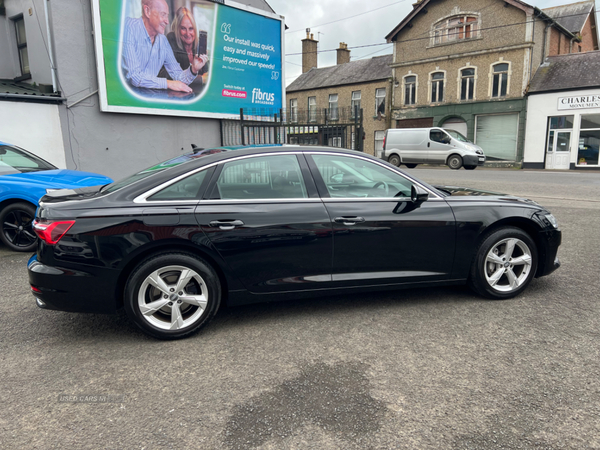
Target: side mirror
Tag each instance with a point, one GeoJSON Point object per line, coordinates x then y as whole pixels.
{"type": "Point", "coordinates": [418, 195]}
{"type": "Point", "coordinates": [338, 178]}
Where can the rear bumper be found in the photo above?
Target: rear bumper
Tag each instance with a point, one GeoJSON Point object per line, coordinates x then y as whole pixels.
{"type": "Point", "coordinates": [91, 290]}
{"type": "Point", "coordinates": [548, 258]}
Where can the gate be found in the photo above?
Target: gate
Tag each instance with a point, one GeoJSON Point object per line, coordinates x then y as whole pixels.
{"type": "Point", "coordinates": [340, 127]}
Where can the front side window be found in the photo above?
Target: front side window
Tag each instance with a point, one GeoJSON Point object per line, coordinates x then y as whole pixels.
{"type": "Point", "coordinates": [380, 101]}
{"type": "Point", "coordinates": [348, 177]}
{"type": "Point", "coordinates": [410, 90]}
{"type": "Point", "coordinates": [294, 110]}
{"type": "Point", "coordinates": [355, 103]}
{"type": "Point", "coordinates": [467, 84]}
{"type": "Point", "coordinates": [455, 28]}
{"type": "Point", "coordinates": [22, 45]}
{"type": "Point", "coordinates": [437, 87]}
{"type": "Point", "coordinates": [276, 176]}
{"type": "Point", "coordinates": [439, 136]}
{"type": "Point", "coordinates": [500, 80]}
{"type": "Point", "coordinates": [333, 106]}
{"type": "Point", "coordinates": [312, 109]}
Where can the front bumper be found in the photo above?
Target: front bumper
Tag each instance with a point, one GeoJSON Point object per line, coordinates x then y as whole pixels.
{"type": "Point", "coordinates": [92, 290]}
{"type": "Point", "coordinates": [548, 257]}
{"type": "Point", "coordinates": [473, 160]}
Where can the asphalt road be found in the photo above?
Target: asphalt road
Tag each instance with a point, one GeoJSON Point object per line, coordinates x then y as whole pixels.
{"type": "Point", "coordinates": [418, 369]}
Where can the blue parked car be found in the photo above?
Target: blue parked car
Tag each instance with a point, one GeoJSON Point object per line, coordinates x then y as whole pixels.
{"type": "Point", "coordinates": [24, 179]}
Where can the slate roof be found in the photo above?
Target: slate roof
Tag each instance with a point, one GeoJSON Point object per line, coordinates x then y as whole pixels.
{"type": "Point", "coordinates": [573, 16]}
{"type": "Point", "coordinates": [567, 72]}
{"type": "Point", "coordinates": [353, 72]}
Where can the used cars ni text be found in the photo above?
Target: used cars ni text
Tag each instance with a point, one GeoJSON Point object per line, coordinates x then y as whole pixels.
{"type": "Point", "coordinates": [243, 225]}
{"type": "Point", "coordinates": [24, 178]}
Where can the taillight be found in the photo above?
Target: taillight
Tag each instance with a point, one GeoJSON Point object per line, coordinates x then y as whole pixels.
{"type": "Point", "coordinates": [51, 232]}
{"type": "Point", "coordinates": [384, 136]}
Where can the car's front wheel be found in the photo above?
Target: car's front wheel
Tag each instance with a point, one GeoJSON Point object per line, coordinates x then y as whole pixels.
{"type": "Point", "coordinates": [172, 295]}
{"type": "Point", "coordinates": [455, 162]}
{"type": "Point", "coordinates": [505, 263]}
{"type": "Point", "coordinates": [17, 232]}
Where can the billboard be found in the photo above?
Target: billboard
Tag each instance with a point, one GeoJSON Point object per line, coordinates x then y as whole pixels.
{"type": "Point", "coordinates": [193, 58]}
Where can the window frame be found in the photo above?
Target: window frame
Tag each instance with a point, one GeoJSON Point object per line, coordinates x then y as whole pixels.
{"type": "Point", "coordinates": [355, 102]}
{"type": "Point", "coordinates": [473, 83]}
{"type": "Point", "coordinates": [25, 75]}
{"type": "Point", "coordinates": [441, 81]}
{"type": "Point", "coordinates": [312, 109]}
{"type": "Point", "coordinates": [413, 87]}
{"type": "Point", "coordinates": [492, 79]}
{"type": "Point", "coordinates": [443, 31]}
{"type": "Point", "coordinates": [333, 111]}
{"type": "Point", "coordinates": [379, 99]}
{"type": "Point", "coordinates": [294, 110]}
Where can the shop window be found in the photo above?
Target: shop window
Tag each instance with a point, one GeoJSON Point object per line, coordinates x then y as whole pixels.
{"type": "Point", "coordinates": [333, 106]}
{"type": "Point", "coordinates": [410, 90]}
{"type": "Point", "coordinates": [437, 87]}
{"type": "Point", "coordinates": [294, 110]}
{"type": "Point", "coordinates": [355, 103]}
{"type": "Point", "coordinates": [22, 47]}
{"type": "Point", "coordinates": [467, 84]}
{"type": "Point", "coordinates": [500, 80]}
{"type": "Point", "coordinates": [589, 140]}
{"type": "Point", "coordinates": [455, 29]}
{"type": "Point", "coordinates": [312, 109]}
{"type": "Point", "coordinates": [380, 101]}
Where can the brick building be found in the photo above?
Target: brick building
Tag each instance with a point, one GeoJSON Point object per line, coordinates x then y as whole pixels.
{"type": "Point", "coordinates": [467, 65]}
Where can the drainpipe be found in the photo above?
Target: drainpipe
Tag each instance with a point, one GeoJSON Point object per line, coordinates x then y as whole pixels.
{"type": "Point", "coordinates": [50, 50]}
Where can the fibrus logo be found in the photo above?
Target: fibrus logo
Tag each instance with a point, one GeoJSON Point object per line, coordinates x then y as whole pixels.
{"type": "Point", "coordinates": [265, 98]}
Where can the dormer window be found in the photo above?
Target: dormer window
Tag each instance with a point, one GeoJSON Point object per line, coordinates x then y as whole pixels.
{"type": "Point", "coordinates": [455, 28]}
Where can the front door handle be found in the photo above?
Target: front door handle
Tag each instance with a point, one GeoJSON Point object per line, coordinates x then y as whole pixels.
{"type": "Point", "coordinates": [226, 224]}
{"type": "Point", "coordinates": [346, 220]}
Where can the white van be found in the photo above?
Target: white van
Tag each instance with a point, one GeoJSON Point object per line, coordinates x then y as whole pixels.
{"type": "Point", "coordinates": [413, 146]}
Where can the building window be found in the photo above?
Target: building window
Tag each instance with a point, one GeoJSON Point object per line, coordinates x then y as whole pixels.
{"type": "Point", "coordinates": [312, 109]}
{"type": "Point", "coordinates": [467, 84]}
{"type": "Point", "coordinates": [355, 103]}
{"type": "Point", "coordinates": [380, 101]}
{"type": "Point", "coordinates": [437, 87]}
{"type": "Point", "coordinates": [455, 28]}
{"type": "Point", "coordinates": [379, 135]}
{"type": "Point", "coordinates": [335, 141]}
{"type": "Point", "coordinates": [294, 110]}
{"type": "Point", "coordinates": [410, 90]}
{"type": "Point", "coordinates": [22, 46]}
{"type": "Point", "coordinates": [333, 106]}
{"type": "Point", "coordinates": [500, 80]}
{"type": "Point", "coordinates": [589, 140]}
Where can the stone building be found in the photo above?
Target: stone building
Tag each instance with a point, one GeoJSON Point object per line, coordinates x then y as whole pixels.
{"type": "Point", "coordinates": [334, 95]}
{"type": "Point", "coordinates": [466, 65]}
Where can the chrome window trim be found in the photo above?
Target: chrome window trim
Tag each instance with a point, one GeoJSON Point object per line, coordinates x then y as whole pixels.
{"type": "Point", "coordinates": [143, 198]}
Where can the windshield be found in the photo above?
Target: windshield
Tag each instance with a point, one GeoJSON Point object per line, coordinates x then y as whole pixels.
{"type": "Point", "coordinates": [16, 160]}
{"type": "Point", "coordinates": [157, 169]}
{"type": "Point", "coordinates": [456, 135]}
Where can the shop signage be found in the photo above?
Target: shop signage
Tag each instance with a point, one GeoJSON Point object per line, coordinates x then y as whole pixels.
{"type": "Point", "coordinates": [242, 48]}
{"type": "Point", "coordinates": [579, 102]}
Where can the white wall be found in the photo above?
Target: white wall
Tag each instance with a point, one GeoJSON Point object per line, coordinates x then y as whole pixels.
{"type": "Point", "coordinates": [35, 127]}
{"type": "Point", "coordinates": [539, 108]}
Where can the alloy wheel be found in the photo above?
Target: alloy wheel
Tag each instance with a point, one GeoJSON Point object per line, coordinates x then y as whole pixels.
{"type": "Point", "coordinates": [507, 265]}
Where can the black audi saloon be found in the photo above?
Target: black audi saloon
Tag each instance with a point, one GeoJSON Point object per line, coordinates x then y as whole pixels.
{"type": "Point", "coordinates": [242, 225]}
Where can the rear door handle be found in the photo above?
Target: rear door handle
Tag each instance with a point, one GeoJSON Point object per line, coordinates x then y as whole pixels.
{"type": "Point", "coordinates": [226, 224]}
{"type": "Point", "coordinates": [349, 220]}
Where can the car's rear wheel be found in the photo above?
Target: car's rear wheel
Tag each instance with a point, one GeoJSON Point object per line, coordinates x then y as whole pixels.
{"type": "Point", "coordinates": [470, 167]}
{"type": "Point", "coordinates": [505, 263]}
{"type": "Point", "coordinates": [172, 295]}
{"type": "Point", "coordinates": [455, 162]}
{"type": "Point", "coordinates": [17, 232]}
{"type": "Point", "coordinates": [395, 160]}
{"type": "Point", "coordinates": [411, 166]}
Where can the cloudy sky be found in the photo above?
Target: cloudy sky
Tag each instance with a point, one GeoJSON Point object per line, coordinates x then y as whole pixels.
{"type": "Point", "coordinates": [362, 25]}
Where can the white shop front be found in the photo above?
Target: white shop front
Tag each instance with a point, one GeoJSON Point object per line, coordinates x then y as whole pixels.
{"type": "Point", "coordinates": [563, 130]}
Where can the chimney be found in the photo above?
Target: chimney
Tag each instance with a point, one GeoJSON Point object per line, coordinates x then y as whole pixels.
{"type": "Point", "coordinates": [343, 54]}
{"type": "Point", "coordinates": [309, 52]}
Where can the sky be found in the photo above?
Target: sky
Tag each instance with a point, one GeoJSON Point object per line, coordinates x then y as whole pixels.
{"type": "Point", "coordinates": [362, 25]}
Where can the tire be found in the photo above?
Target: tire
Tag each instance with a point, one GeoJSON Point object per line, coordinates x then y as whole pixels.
{"type": "Point", "coordinates": [184, 300]}
{"type": "Point", "coordinates": [470, 167]}
{"type": "Point", "coordinates": [493, 264]}
{"type": "Point", "coordinates": [395, 160]}
{"type": "Point", "coordinates": [411, 166]}
{"type": "Point", "coordinates": [16, 232]}
{"type": "Point", "coordinates": [455, 162]}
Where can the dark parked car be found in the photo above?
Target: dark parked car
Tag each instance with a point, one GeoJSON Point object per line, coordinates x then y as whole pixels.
{"type": "Point", "coordinates": [24, 178]}
{"type": "Point", "coordinates": [244, 225]}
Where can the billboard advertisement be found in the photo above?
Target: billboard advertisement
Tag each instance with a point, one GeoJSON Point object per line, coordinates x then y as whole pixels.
{"type": "Point", "coordinates": [193, 58]}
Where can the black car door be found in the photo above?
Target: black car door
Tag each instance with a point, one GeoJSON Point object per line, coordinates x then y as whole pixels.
{"type": "Point", "coordinates": [380, 235]}
{"type": "Point", "coordinates": [265, 218]}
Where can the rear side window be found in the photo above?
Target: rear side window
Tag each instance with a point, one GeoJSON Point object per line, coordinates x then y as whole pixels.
{"type": "Point", "coordinates": [186, 189]}
{"type": "Point", "coordinates": [275, 176]}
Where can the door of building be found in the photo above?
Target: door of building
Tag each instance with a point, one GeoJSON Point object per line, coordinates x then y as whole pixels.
{"type": "Point", "coordinates": [558, 151]}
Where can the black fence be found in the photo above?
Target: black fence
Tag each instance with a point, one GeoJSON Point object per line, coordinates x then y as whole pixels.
{"type": "Point", "coordinates": [333, 127]}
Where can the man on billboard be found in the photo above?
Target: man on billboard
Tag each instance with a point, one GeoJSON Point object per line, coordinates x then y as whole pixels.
{"type": "Point", "coordinates": [146, 50]}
